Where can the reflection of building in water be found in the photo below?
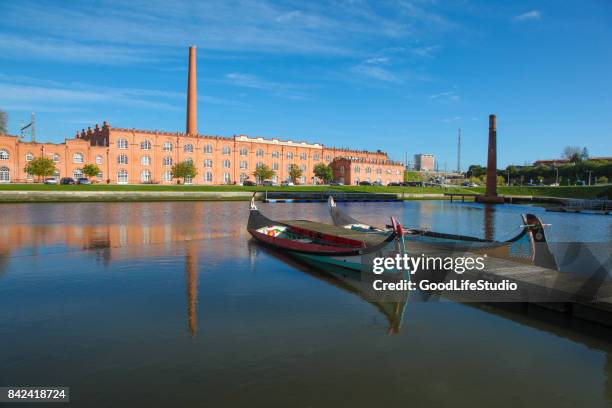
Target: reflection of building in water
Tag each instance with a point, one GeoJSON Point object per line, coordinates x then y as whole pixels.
{"type": "Point", "coordinates": [191, 275]}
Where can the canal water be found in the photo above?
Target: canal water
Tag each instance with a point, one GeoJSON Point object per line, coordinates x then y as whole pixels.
{"type": "Point", "coordinates": [172, 304]}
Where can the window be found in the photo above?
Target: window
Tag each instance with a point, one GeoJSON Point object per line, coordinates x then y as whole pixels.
{"type": "Point", "coordinates": [243, 176]}
{"type": "Point", "coordinates": [167, 161]}
{"type": "Point", "coordinates": [77, 158]}
{"type": "Point", "coordinates": [275, 154]}
{"type": "Point", "coordinates": [388, 171]}
{"type": "Point", "coordinates": [122, 176]}
{"type": "Point", "coordinates": [98, 176]}
{"type": "Point", "coordinates": [341, 169]}
{"type": "Point", "coordinates": [368, 170]}
{"type": "Point", "coordinates": [275, 166]}
{"type": "Point", "coordinates": [188, 180]}
{"type": "Point", "coordinates": [208, 149]}
{"type": "Point", "coordinates": [302, 156]}
{"type": "Point", "coordinates": [259, 153]}
{"type": "Point", "coordinates": [56, 157]}
{"type": "Point", "coordinates": [77, 174]}
{"type": "Point", "coordinates": [328, 158]}
{"type": "Point", "coordinates": [243, 164]}
{"type": "Point", "coordinates": [357, 169]}
{"type": "Point", "coordinates": [188, 148]}
{"type": "Point", "coordinates": [378, 171]}
{"type": "Point", "coordinates": [145, 176]}
{"type": "Point", "coordinates": [243, 151]}
{"type": "Point", "coordinates": [226, 164]}
{"type": "Point", "coordinates": [167, 146]}
{"type": "Point", "coordinates": [208, 163]}
{"type": "Point", "coordinates": [145, 145]}
{"type": "Point", "coordinates": [5, 175]}
{"type": "Point", "coordinates": [167, 176]}
{"type": "Point", "coordinates": [122, 144]}
{"type": "Point", "coordinates": [29, 156]}
{"type": "Point", "coordinates": [303, 168]}
{"type": "Point", "coordinates": [145, 160]}
{"type": "Point", "coordinates": [289, 155]}
{"type": "Point", "coordinates": [226, 178]}
{"type": "Point", "coordinates": [398, 172]}
{"type": "Point", "coordinates": [226, 150]}
{"type": "Point", "coordinates": [303, 180]}
{"type": "Point", "coordinates": [122, 159]}
{"type": "Point", "coordinates": [98, 159]}
{"type": "Point", "coordinates": [189, 160]}
{"type": "Point", "coordinates": [4, 155]}
{"type": "Point", "coordinates": [258, 165]}
{"type": "Point", "coordinates": [56, 173]}
{"type": "Point", "coordinates": [208, 177]}
{"type": "Point", "coordinates": [315, 157]}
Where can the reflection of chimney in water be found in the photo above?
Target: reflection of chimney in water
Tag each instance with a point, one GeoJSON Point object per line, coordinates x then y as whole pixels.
{"type": "Point", "coordinates": [491, 190]}
{"type": "Point", "coordinates": [191, 274]}
{"type": "Point", "coordinates": [489, 222]}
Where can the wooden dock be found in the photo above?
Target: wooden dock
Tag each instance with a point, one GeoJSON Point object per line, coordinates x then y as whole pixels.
{"type": "Point", "coordinates": [583, 297]}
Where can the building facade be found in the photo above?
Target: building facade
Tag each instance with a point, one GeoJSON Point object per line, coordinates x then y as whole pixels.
{"type": "Point", "coordinates": [424, 162]}
{"type": "Point", "coordinates": [352, 170]}
{"type": "Point", "coordinates": [132, 156]}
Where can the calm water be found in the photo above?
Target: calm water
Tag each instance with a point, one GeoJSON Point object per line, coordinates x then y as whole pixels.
{"type": "Point", "coordinates": [171, 304]}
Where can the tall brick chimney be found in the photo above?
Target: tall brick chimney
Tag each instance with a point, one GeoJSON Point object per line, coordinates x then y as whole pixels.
{"type": "Point", "coordinates": [192, 105]}
{"type": "Point", "coordinates": [492, 159]}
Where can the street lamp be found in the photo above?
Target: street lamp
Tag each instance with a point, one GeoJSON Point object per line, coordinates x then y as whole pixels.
{"type": "Point", "coordinates": [508, 181]}
{"type": "Point", "coordinates": [557, 179]}
{"type": "Point", "coordinates": [590, 171]}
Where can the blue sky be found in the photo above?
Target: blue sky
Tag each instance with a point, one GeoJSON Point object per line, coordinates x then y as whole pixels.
{"type": "Point", "coordinates": [401, 76]}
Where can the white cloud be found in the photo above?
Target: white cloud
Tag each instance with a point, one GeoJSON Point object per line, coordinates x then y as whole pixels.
{"type": "Point", "coordinates": [449, 96]}
{"type": "Point", "coordinates": [453, 119]}
{"type": "Point", "coordinates": [530, 15]}
{"type": "Point", "coordinates": [141, 30]}
{"type": "Point", "coordinates": [376, 72]}
{"type": "Point", "coordinates": [284, 90]}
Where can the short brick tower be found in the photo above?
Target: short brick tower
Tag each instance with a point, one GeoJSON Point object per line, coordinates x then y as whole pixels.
{"type": "Point", "coordinates": [491, 196]}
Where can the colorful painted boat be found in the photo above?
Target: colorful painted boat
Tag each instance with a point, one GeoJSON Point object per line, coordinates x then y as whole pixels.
{"type": "Point", "coordinates": [325, 243]}
{"type": "Point", "coordinates": [528, 246]}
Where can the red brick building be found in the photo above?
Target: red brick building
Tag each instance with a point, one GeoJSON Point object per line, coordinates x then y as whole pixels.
{"type": "Point", "coordinates": [134, 156]}
{"type": "Point", "coordinates": [352, 170]}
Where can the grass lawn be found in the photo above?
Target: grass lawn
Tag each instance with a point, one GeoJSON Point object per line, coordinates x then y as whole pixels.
{"type": "Point", "coordinates": [569, 192]}
{"type": "Point", "coordinates": [564, 191]}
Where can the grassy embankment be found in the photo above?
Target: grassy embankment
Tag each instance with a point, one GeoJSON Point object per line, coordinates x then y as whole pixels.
{"type": "Point", "coordinates": [569, 192]}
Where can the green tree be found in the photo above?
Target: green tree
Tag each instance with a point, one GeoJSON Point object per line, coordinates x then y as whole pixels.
{"type": "Point", "coordinates": [91, 170]}
{"type": "Point", "coordinates": [3, 122]}
{"type": "Point", "coordinates": [324, 172]}
{"type": "Point", "coordinates": [602, 180]}
{"type": "Point", "coordinates": [263, 172]}
{"type": "Point", "coordinates": [572, 153]}
{"type": "Point", "coordinates": [40, 167]}
{"type": "Point", "coordinates": [185, 170]}
{"type": "Point", "coordinates": [294, 173]}
{"type": "Point", "coordinates": [476, 171]}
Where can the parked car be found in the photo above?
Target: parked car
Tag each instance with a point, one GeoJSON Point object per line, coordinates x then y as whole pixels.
{"type": "Point", "coordinates": [51, 180]}
{"type": "Point", "coordinates": [412, 183]}
{"type": "Point", "coordinates": [469, 184]}
{"type": "Point", "coordinates": [377, 183]}
{"type": "Point", "coordinates": [83, 180]}
{"type": "Point", "coordinates": [365, 183]}
{"type": "Point", "coordinates": [336, 183]}
{"type": "Point", "coordinates": [249, 183]}
{"type": "Point", "coordinates": [394, 184]}
{"type": "Point", "coordinates": [268, 183]}
{"type": "Point", "coordinates": [67, 180]}
{"type": "Point", "coordinates": [287, 183]}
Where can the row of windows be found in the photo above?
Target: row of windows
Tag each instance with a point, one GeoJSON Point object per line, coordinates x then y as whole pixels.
{"type": "Point", "coordinates": [188, 148]}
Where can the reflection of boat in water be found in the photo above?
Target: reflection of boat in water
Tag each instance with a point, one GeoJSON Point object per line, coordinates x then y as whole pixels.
{"type": "Point", "coordinates": [529, 245]}
{"type": "Point", "coordinates": [391, 305]}
{"type": "Point", "coordinates": [324, 243]}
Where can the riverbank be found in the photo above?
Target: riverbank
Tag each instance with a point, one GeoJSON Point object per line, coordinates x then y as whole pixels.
{"type": "Point", "coordinates": [101, 192]}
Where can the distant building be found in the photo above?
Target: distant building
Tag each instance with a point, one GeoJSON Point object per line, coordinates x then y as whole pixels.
{"type": "Point", "coordinates": [557, 162]}
{"type": "Point", "coordinates": [352, 170]}
{"type": "Point", "coordinates": [424, 162]}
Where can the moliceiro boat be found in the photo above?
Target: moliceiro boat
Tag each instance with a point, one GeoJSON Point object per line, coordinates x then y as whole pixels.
{"type": "Point", "coordinates": [529, 245]}
{"type": "Point", "coordinates": [324, 243]}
